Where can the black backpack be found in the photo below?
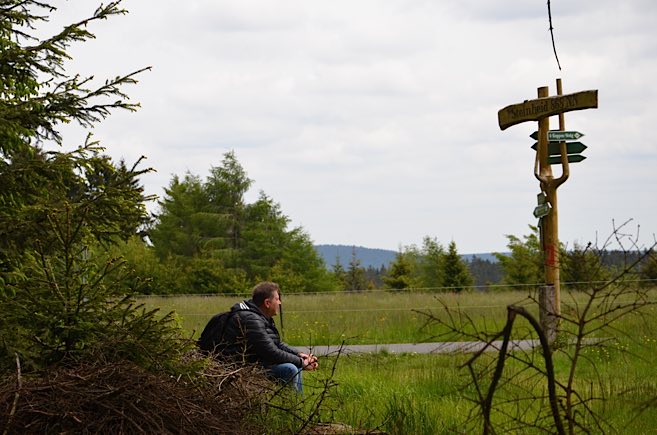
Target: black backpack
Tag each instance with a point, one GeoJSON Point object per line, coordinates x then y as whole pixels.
{"type": "Point", "coordinates": [211, 339]}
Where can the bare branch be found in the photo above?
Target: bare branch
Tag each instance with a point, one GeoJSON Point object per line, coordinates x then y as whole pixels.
{"type": "Point", "coordinates": [554, 47]}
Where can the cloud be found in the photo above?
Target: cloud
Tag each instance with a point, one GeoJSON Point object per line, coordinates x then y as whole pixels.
{"type": "Point", "coordinates": [374, 122]}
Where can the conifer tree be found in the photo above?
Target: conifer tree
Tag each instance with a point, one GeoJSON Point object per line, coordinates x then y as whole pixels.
{"type": "Point", "coordinates": [399, 274]}
{"type": "Point", "coordinates": [338, 271]}
{"type": "Point", "coordinates": [58, 208]}
{"type": "Point", "coordinates": [582, 268]}
{"type": "Point", "coordinates": [457, 275]}
{"type": "Point", "coordinates": [208, 231]}
{"type": "Point", "coordinates": [355, 276]}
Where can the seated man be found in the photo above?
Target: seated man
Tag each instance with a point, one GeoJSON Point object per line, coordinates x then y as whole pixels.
{"type": "Point", "coordinates": [251, 332]}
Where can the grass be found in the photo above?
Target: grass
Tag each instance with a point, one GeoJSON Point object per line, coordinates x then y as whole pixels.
{"type": "Point", "coordinates": [432, 394]}
{"type": "Point", "coordinates": [359, 318]}
{"type": "Point", "coordinates": [399, 393]}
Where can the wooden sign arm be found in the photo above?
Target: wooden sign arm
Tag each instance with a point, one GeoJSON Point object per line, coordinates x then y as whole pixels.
{"type": "Point", "coordinates": [565, 168]}
{"type": "Point", "coordinates": [537, 170]}
{"type": "Point", "coordinates": [543, 172]}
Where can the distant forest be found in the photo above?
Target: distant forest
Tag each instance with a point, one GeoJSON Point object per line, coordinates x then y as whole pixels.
{"type": "Point", "coordinates": [484, 267]}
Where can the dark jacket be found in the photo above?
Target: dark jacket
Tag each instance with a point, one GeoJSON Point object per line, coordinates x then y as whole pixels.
{"type": "Point", "coordinates": [249, 333]}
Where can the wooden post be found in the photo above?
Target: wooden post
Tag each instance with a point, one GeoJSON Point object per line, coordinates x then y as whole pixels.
{"type": "Point", "coordinates": [549, 300]}
{"type": "Point", "coordinates": [540, 110]}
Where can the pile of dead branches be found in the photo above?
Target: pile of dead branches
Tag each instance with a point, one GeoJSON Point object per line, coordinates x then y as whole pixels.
{"type": "Point", "coordinates": [121, 397]}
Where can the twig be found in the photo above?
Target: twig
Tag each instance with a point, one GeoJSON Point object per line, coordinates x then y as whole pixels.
{"type": "Point", "coordinates": [554, 47]}
{"type": "Point", "coordinates": [328, 382]}
{"type": "Point", "coordinates": [19, 385]}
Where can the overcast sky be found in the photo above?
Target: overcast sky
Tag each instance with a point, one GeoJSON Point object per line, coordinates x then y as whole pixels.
{"type": "Point", "coordinates": [374, 122]}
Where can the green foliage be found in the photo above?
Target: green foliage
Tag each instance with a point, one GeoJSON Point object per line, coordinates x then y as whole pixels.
{"type": "Point", "coordinates": [457, 276]}
{"type": "Point", "coordinates": [37, 93]}
{"type": "Point", "coordinates": [208, 232]}
{"type": "Point", "coordinates": [58, 210]}
{"type": "Point", "coordinates": [431, 265]}
{"type": "Point", "coordinates": [400, 273]}
{"type": "Point", "coordinates": [648, 270]}
{"type": "Point", "coordinates": [429, 268]}
{"type": "Point", "coordinates": [417, 393]}
{"type": "Point", "coordinates": [582, 267]}
{"type": "Point", "coordinates": [524, 266]}
{"type": "Point", "coordinates": [57, 302]}
{"type": "Point", "coordinates": [338, 271]}
{"type": "Point", "coordinates": [177, 232]}
{"type": "Point", "coordinates": [354, 277]}
{"type": "Point", "coordinates": [484, 272]}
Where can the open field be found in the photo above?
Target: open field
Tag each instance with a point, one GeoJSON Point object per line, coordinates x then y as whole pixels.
{"type": "Point", "coordinates": [431, 393]}
{"type": "Point", "coordinates": [375, 317]}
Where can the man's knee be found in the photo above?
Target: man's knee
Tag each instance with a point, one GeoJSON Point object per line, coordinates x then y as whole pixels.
{"type": "Point", "coordinates": [288, 373]}
{"type": "Point", "coordinates": [285, 371]}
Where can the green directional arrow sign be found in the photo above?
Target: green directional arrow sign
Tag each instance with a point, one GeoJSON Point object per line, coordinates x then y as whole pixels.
{"type": "Point", "coordinates": [557, 135]}
{"type": "Point", "coordinates": [572, 158]}
{"type": "Point", "coordinates": [554, 149]}
{"type": "Point", "coordinates": [541, 210]}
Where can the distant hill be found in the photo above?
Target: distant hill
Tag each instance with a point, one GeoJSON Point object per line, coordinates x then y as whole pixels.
{"type": "Point", "coordinates": [372, 257]}
{"type": "Point", "coordinates": [367, 256]}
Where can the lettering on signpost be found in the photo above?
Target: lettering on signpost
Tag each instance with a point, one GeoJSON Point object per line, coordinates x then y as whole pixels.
{"type": "Point", "coordinates": [533, 110]}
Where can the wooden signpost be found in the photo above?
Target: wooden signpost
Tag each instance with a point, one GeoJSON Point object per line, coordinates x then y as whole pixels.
{"type": "Point", "coordinates": [542, 107]}
{"type": "Point", "coordinates": [540, 110]}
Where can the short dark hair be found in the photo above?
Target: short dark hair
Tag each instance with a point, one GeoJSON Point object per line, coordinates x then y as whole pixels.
{"type": "Point", "coordinates": [263, 291]}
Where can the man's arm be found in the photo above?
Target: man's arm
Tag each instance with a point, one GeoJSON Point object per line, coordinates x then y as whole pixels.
{"type": "Point", "coordinates": [263, 346]}
{"type": "Point", "coordinates": [288, 348]}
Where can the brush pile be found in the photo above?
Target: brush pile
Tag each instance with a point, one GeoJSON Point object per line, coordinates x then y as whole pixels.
{"type": "Point", "coordinates": [122, 398]}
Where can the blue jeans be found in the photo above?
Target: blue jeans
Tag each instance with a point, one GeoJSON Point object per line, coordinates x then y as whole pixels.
{"type": "Point", "coordinates": [288, 373]}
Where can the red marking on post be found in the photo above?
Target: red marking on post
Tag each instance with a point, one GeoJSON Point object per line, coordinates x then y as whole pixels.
{"type": "Point", "coordinates": [550, 255]}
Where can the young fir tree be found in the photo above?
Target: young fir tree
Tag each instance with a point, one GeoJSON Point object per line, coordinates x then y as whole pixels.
{"type": "Point", "coordinates": [457, 275]}
{"type": "Point", "coordinates": [354, 279]}
{"type": "Point", "coordinates": [400, 273]}
{"type": "Point", "coordinates": [58, 208]}
{"type": "Point", "coordinates": [339, 272]}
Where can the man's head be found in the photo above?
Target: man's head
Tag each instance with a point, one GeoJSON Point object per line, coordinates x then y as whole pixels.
{"type": "Point", "coordinates": [267, 296]}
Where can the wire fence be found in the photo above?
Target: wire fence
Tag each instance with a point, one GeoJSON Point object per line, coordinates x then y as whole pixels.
{"type": "Point", "coordinates": [419, 290]}
{"type": "Point", "coordinates": [432, 292]}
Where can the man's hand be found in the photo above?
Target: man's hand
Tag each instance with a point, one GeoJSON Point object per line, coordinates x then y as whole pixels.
{"type": "Point", "coordinates": [309, 361]}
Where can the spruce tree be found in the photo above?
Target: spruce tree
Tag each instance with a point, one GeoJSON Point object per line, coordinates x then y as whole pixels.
{"type": "Point", "coordinates": [354, 279]}
{"type": "Point", "coordinates": [226, 245]}
{"type": "Point", "coordinates": [457, 275]}
{"type": "Point", "coordinates": [58, 208]}
{"type": "Point", "coordinates": [339, 272]}
{"type": "Point", "coordinates": [399, 275]}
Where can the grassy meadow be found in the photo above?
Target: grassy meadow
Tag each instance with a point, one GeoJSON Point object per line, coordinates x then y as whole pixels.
{"type": "Point", "coordinates": [410, 393]}
{"type": "Point", "coordinates": [374, 317]}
